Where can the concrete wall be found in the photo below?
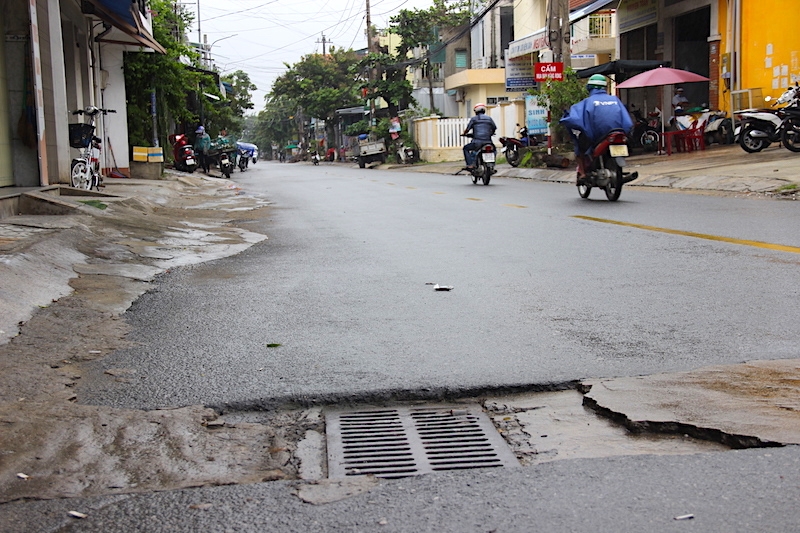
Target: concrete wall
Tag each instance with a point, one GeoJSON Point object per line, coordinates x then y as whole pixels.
{"type": "Point", "coordinates": [6, 175]}
{"type": "Point", "coordinates": [114, 126]}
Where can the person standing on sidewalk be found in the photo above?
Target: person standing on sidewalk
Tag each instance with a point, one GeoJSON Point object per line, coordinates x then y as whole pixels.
{"type": "Point", "coordinates": [202, 144]}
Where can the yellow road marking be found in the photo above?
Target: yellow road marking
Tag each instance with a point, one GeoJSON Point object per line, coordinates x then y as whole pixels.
{"type": "Point", "coordinates": [475, 199]}
{"type": "Point", "coordinates": [743, 242]}
{"type": "Point", "coordinates": [389, 183]}
{"type": "Point", "coordinates": [439, 192]}
{"type": "Point", "coordinates": [411, 188]}
{"type": "Point", "coordinates": [516, 206]}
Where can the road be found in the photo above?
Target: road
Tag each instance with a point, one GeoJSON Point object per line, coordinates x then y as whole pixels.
{"type": "Point", "coordinates": [541, 298]}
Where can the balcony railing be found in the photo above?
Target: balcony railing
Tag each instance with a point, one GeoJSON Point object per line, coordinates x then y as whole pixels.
{"type": "Point", "coordinates": [600, 25]}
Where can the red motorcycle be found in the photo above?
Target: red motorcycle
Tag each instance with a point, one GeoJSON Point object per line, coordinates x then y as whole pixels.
{"type": "Point", "coordinates": [605, 170]}
{"type": "Point", "coordinates": [183, 153]}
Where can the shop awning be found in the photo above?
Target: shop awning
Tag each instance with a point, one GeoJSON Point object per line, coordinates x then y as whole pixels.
{"type": "Point", "coordinates": [537, 40]}
{"type": "Point", "coordinates": [123, 15]}
{"type": "Point", "coordinates": [625, 67]}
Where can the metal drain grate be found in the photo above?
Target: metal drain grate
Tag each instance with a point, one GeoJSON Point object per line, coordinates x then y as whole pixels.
{"type": "Point", "coordinates": [408, 441]}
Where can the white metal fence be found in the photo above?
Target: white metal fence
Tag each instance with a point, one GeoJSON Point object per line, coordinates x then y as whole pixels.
{"type": "Point", "coordinates": [449, 130]}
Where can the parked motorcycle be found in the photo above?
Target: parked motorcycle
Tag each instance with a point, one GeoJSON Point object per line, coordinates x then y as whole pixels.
{"type": "Point", "coordinates": [606, 168]}
{"type": "Point", "coordinates": [183, 153]}
{"type": "Point", "coordinates": [406, 155]}
{"type": "Point", "coordinates": [790, 137]}
{"type": "Point", "coordinates": [485, 159]}
{"type": "Point", "coordinates": [759, 128]}
{"type": "Point", "coordinates": [315, 158]}
{"type": "Point", "coordinates": [512, 148]}
{"type": "Point", "coordinates": [646, 132]}
{"type": "Point", "coordinates": [224, 164]}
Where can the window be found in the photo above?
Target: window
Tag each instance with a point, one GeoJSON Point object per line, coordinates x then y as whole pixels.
{"type": "Point", "coordinates": [461, 58]}
{"type": "Point", "coordinates": [494, 100]}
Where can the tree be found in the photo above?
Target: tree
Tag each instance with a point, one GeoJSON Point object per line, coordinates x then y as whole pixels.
{"type": "Point", "coordinates": [175, 83]}
{"type": "Point", "coordinates": [418, 28]}
{"type": "Point", "coordinates": [229, 112]}
{"type": "Point", "coordinates": [558, 96]}
{"type": "Point", "coordinates": [318, 85]}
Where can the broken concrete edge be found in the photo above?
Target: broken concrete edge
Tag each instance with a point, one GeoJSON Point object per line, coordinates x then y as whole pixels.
{"type": "Point", "coordinates": [738, 442]}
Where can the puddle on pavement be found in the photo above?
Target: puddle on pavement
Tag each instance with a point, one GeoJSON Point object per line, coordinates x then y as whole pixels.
{"type": "Point", "coordinates": [547, 426]}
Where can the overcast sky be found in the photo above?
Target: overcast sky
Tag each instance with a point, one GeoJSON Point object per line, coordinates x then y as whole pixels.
{"type": "Point", "coordinates": [259, 36]}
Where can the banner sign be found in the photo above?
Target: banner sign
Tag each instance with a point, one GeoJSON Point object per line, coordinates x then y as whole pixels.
{"type": "Point", "coordinates": [535, 116]}
{"type": "Point", "coordinates": [519, 74]}
{"type": "Point", "coordinates": [549, 71]}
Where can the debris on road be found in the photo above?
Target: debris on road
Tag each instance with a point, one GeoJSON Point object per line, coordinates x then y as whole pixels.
{"type": "Point", "coordinates": [684, 517]}
{"type": "Point", "coordinates": [438, 287]}
{"type": "Point", "coordinates": [76, 514]}
{"type": "Point", "coordinates": [23, 476]}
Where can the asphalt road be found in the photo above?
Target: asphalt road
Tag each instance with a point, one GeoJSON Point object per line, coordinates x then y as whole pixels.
{"type": "Point", "coordinates": [540, 298]}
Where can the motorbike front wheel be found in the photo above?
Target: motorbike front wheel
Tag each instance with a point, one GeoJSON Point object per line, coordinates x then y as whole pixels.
{"type": "Point", "coordinates": [790, 137]}
{"type": "Point", "coordinates": [752, 144]}
{"type": "Point", "coordinates": [81, 175]}
{"type": "Point", "coordinates": [650, 140]}
{"type": "Point", "coordinates": [512, 155]}
{"type": "Point", "coordinates": [584, 190]}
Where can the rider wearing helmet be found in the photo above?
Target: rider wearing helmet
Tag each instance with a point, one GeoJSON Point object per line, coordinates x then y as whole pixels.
{"type": "Point", "coordinates": [592, 118]}
{"type": "Point", "coordinates": [482, 127]}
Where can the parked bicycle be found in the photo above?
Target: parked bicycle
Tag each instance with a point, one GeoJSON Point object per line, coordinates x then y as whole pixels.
{"type": "Point", "coordinates": [85, 169]}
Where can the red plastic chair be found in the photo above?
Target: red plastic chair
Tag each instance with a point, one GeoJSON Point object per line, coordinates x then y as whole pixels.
{"type": "Point", "coordinates": [695, 138]}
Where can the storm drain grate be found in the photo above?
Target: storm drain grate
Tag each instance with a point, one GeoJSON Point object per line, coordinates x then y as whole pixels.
{"type": "Point", "coordinates": [408, 441]}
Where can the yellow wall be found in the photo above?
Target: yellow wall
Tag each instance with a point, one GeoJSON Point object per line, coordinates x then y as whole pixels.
{"type": "Point", "coordinates": [529, 16]}
{"type": "Point", "coordinates": [767, 26]}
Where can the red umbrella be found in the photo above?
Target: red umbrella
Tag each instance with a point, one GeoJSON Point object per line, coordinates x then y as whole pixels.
{"type": "Point", "coordinates": [660, 76]}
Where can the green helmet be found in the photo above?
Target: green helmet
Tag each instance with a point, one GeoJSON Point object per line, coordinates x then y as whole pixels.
{"type": "Point", "coordinates": [597, 80]}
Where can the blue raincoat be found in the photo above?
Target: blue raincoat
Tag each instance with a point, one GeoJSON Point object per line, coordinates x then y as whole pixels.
{"type": "Point", "coordinates": [597, 115]}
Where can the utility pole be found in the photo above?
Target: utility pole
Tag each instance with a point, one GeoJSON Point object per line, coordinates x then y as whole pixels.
{"type": "Point", "coordinates": [372, 73]}
{"type": "Point", "coordinates": [558, 31]}
{"type": "Point", "coordinates": [323, 43]}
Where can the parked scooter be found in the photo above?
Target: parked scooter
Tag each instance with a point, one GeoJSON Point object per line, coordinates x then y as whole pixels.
{"type": "Point", "coordinates": [315, 158]}
{"type": "Point", "coordinates": [485, 159]}
{"type": "Point", "coordinates": [606, 168]}
{"type": "Point", "coordinates": [646, 132]}
{"type": "Point", "coordinates": [761, 127]}
{"type": "Point", "coordinates": [224, 164]}
{"type": "Point", "coordinates": [183, 153]}
{"type": "Point", "coordinates": [512, 148]}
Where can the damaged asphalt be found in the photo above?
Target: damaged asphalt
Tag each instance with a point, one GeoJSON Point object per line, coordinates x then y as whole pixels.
{"type": "Point", "coordinates": [66, 280]}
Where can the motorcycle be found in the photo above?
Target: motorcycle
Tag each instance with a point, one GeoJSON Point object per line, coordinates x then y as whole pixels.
{"type": "Point", "coordinates": [646, 132]}
{"type": "Point", "coordinates": [315, 158]}
{"type": "Point", "coordinates": [224, 164]}
{"type": "Point", "coordinates": [183, 153]}
{"type": "Point", "coordinates": [406, 155]}
{"type": "Point", "coordinates": [606, 168]}
{"type": "Point", "coordinates": [759, 128]}
{"type": "Point", "coordinates": [512, 148]}
{"type": "Point", "coordinates": [245, 153]}
{"type": "Point", "coordinates": [485, 159]}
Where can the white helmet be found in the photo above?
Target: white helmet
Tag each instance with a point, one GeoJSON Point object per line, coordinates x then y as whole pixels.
{"type": "Point", "coordinates": [479, 108]}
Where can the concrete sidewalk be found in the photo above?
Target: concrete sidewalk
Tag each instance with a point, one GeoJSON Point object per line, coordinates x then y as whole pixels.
{"type": "Point", "coordinates": [725, 168]}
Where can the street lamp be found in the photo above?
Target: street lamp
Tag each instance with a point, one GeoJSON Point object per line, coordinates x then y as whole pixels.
{"type": "Point", "coordinates": [207, 47]}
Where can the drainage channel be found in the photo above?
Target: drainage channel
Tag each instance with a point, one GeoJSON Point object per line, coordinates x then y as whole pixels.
{"type": "Point", "coordinates": [507, 431]}
{"type": "Point", "coordinates": [406, 441]}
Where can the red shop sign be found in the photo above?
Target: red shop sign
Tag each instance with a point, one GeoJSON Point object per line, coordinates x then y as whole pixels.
{"type": "Point", "coordinates": [548, 71]}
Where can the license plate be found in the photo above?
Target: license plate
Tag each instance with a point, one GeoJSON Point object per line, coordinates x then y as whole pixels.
{"type": "Point", "coordinates": [190, 161]}
{"type": "Point", "coordinates": [618, 150]}
{"type": "Point", "coordinates": [488, 157]}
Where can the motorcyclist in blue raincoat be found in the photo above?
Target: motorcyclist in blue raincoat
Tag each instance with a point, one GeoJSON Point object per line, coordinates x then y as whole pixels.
{"type": "Point", "coordinates": [592, 118]}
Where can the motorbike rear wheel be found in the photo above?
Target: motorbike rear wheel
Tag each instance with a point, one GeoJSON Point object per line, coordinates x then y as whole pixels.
{"type": "Point", "coordinates": [512, 155]}
{"type": "Point", "coordinates": [584, 190]}
{"type": "Point", "coordinates": [752, 144]}
{"type": "Point", "coordinates": [790, 137]}
{"type": "Point", "coordinates": [614, 187]}
{"type": "Point", "coordinates": [487, 174]}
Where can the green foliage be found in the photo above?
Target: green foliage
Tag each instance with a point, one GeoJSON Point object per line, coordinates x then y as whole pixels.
{"type": "Point", "coordinates": [558, 96]}
{"type": "Point", "coordinates": [320, 84]}
{"type": "Point", "coordinates": [94, 203]}
{"type": "Point", "coordinates": [164, 74]}
{"type": "Point", "coordinates": [362, 126]}
{"type": "Point", "coordinates": [275, 124]}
